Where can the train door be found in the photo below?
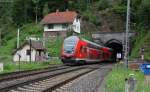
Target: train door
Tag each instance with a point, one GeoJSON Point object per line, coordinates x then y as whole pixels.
{"type": "Point", "coordinates": [83, 50]}
{"type": "Point", "coordinates": [105, 54]}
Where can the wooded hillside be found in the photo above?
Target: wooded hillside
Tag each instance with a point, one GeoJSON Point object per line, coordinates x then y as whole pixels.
{"type": "Point", "coordinates": [20, 13]}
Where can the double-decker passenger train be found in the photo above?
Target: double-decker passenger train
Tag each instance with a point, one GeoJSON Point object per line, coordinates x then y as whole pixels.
{"type": "Point", "coordinates": [80, 51]}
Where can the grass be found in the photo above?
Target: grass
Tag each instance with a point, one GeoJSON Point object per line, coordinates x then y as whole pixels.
{"type": "Point", "coordinates": [14, 66]}
{"type": "Point", "coordinates": [115, 81]}
{"type": "Point", "coordinates": [142, 40]}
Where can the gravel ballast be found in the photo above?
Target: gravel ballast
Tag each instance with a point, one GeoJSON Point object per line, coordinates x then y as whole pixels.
{"type": "Point", "coordinates": [90, 82]}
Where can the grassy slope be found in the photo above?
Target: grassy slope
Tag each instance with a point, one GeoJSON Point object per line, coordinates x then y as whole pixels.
{"type": "Point", "coordinates": [116, 80]}
{"type": "Point", "coordinates": [25, 31]}
{"type": "Point", "coordinates": [10, 43]}
{"type": "Point", "coordinates": [142, 40]}
{"type": "Point", "coordinates": [11, 67]}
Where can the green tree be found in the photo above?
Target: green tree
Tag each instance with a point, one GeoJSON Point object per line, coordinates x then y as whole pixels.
{"type": "Point", "coordinates": [45, 9]}
{"type": "Point", "coordinates": [144, 13]}
{"type": "Point", "coordinates": [23, 11]}
{"type": "Point", "coordinates": [6, 22]}
{"type": "Point", "coordinates": [103, 4]}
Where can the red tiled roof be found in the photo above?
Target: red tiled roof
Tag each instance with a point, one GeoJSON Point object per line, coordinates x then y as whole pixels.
{"type": "Point", "coordinates": [59, 17]}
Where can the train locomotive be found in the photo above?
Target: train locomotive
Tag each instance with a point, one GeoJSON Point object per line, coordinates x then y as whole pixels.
{"type": "Point", "coordinates": [80, 51]}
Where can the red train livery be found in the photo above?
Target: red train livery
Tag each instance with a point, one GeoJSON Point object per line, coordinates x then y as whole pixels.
{"type": "Point", "coordinates": [80, 51]}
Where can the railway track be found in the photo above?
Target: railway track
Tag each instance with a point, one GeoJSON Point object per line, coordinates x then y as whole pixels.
{"type": "Point", "coordinates": [45, 81]}
{"type": "Point", "coordinates": [19, 74]}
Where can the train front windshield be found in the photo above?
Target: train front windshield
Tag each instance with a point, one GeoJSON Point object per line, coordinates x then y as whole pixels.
{"type": "Point", "coordinates": [69, 44]}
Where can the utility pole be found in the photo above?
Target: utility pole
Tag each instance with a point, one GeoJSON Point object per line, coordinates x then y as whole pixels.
{"type": "Point", "coordinates": [127, 33]}
{"type": "Point", "coordinates": [44, 39]}
{"type": "Point", "coordinates": [30, 49]}
{"type": "Point", "coordinates": [36, 14]}
{"type": "Point", "coordinates": [0, 37]}
{"type": "Point", "coordinates": [18, 38]}
{"type": "Point", "coordinates": [37, 1]}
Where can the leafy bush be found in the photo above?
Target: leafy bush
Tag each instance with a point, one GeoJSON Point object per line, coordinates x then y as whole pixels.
{"type": "Point", "coordinates": [54, 46]}
{"type": "Point", "coordinates": [141, 40]}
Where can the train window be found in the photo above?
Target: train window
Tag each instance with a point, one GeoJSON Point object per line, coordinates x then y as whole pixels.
{"type": "Point", "coordinates": [84, 48]}
{"type": "Point", "coordinates": [69, 45]}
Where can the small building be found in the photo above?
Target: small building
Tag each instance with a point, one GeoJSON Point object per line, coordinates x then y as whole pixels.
{"type": "Point", "coordinates": [58, 23]}
{"type": "Point", "coordinates": [34, 51]}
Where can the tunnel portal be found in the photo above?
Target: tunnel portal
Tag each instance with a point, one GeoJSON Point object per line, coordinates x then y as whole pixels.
{"type": "Point", "coordinates": [114, 40]}
{"type": "Point", "coordinates": [116, 46]}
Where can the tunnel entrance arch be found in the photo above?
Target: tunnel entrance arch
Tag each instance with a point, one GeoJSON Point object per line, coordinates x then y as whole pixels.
{"type": "Point", "coordinates": [115, 45]}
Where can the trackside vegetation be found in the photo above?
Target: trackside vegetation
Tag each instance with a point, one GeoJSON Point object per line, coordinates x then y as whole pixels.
{"type": "Point", "coordinates": [142, 41]}
{"type": "Point", "coordinates": [12, 67]}
{"type": "Point", "coordinates": [115, 81]}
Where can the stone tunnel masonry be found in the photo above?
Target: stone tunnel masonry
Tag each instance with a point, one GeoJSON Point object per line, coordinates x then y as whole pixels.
{"type": "Point", "coordinates": [115, 40]}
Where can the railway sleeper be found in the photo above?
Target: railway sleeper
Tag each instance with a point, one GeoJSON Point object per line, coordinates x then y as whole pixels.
{"type": "Point", "coordinates": [45, 85]}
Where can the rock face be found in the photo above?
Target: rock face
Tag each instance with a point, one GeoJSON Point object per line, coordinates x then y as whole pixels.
{"type": "Point", "coordinates": [108, 21]}
{"type": "Point", "coordinates": [111, 22]}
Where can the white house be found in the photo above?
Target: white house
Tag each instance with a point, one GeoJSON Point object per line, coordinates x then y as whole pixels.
{"type": "Point", "coordinates": [58, 23]}
{"type": "Point", "coordinates": [38, 52]}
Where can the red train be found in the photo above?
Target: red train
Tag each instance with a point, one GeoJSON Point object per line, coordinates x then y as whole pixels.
{"type": "Point", "coordinates": [81, 51]}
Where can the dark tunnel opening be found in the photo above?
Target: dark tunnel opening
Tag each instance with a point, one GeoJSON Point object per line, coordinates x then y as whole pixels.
{"type": "Point", "coordinates": [116, 46]}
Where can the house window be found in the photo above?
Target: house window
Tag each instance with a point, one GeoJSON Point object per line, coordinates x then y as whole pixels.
{"type": "Point", "coordinates": [27, 52]}
{"type": "Point", "coordinates": [39, 53]}
{"type": "Point", "coordinates": [77, 19]}
{"type": "Point", "coordinates": [64, 25]}
{"type": "Point", "coordinates": [50, 26]}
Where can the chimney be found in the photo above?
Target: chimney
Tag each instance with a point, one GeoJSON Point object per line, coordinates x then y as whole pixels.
{"type": "Point", "coordinates": [67, 10]}
{"type": "Point", "coordinates": [57, 10]}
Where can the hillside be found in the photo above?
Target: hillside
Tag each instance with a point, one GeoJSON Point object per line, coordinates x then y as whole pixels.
{"type": "Point", "coordinates": [9, 45]}
{"type": "Point", "coordinates": [142, 40]}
